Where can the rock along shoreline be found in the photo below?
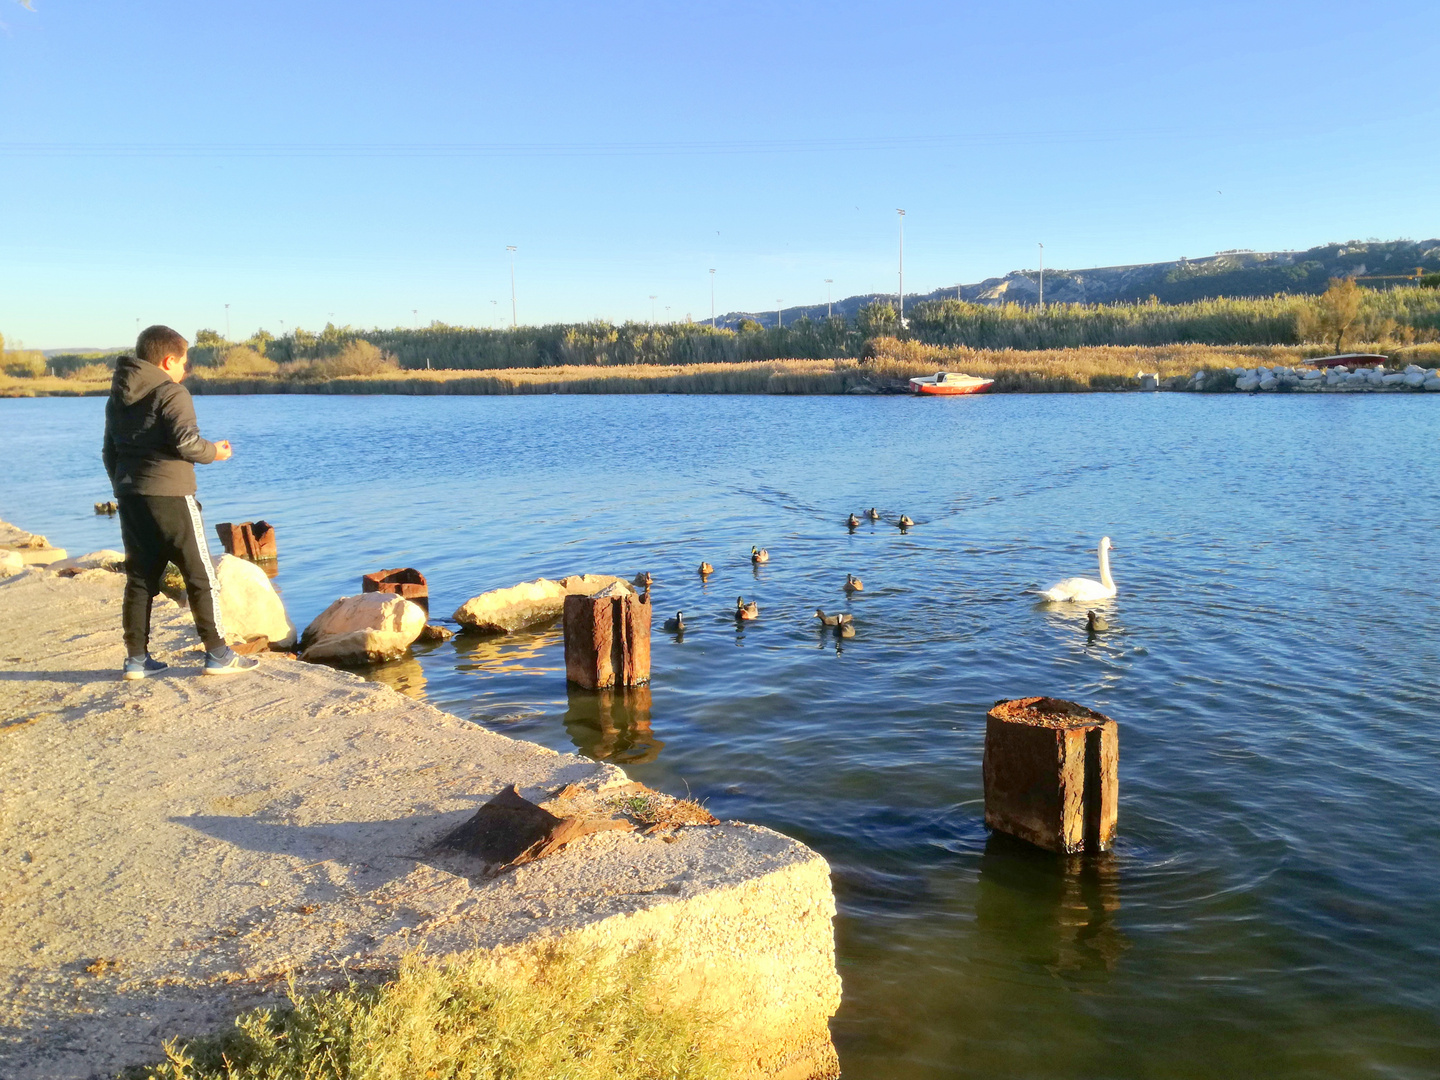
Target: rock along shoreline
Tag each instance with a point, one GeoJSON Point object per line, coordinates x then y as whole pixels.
{"type": "Point", "coordinates": [176, 849]}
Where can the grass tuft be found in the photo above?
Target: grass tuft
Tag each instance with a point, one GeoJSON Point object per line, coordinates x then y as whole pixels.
{"type": "Point", "coordinates": [570, 1015]}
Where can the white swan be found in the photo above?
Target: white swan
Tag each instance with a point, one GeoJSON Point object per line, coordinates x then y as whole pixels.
{"type": "Point", "coordinates": [1083, 590]}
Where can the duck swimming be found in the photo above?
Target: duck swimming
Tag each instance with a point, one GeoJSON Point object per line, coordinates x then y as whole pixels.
{"type": "Point", "coordinates": [759, 555]}
{"type": "Point", "coordinates": [746, 611]}
{"type": "Point", "coordinates": [643, 579]}
{"type": "Point", "coordinates": [706, 569]}
{"type": "Point", "coordinates": [853, 584]}
{"type": "Point", "coordinates": [845, 630]}
{"type": "Point", "coordinates": [839, 619]}
{"type": "Point", "coordinates": [1095, 622]}
{"type": "Point", "coordinates": [873, 514]}
{"type": "Point", "coordinates": [853, 521]}
{"type": "Point", "coordinates": [677, 624]}
{"type": "Point", "coordinates": [905, 521]}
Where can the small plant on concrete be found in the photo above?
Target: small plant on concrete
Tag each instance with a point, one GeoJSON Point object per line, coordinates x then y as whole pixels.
{"type": "Point", "coordinates": [568, 1014]}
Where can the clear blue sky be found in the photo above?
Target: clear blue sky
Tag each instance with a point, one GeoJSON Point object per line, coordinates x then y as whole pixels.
{"type": "Point", "coordinates": [161, 159]}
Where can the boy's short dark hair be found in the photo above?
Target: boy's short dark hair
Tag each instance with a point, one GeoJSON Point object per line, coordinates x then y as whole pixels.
{"type": "Point", "coordinates": [157, 342]}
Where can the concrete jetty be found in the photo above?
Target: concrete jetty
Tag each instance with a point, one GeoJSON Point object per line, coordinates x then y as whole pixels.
{"type": "Point", "coordinates": [174, 850]}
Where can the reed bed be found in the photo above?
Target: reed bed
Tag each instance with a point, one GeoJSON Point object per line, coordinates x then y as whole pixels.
{"type": "Point", "coordinates": [1405, 316]}
{"type": "Point", "coordinates": [890, 365]}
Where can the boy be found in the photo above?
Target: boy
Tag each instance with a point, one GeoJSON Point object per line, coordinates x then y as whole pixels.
{"type": "Point", "coordinates": [152, 443]}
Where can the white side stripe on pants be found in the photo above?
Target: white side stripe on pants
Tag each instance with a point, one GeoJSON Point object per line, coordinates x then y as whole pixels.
{"type": "Point", "coordinates": [198, 525]}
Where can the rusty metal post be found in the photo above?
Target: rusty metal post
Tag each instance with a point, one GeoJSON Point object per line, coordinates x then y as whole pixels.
{"type": "Point", "coordinates": [1052, 773]}
{"type": "Point", "coordinates": [248, 540]}
{"type": "Point", "coordinates": [406, 581]}
{"type": "Point", "coordinates": [607, 639]}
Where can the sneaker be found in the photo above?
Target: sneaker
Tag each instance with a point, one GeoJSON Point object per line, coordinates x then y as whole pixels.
{"type": "Point", "coordinates": [141, 667]}
{"type": "Point", "coordinates": [227, 661]}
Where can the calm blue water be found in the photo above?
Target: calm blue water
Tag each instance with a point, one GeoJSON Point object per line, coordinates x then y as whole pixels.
{"type": "Point", "coordinates": [1270, 909]}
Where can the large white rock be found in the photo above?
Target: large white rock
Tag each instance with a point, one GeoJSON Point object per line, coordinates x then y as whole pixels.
{"type": "Point", "coordinates": [380, 612]}
{"type": "Point", "coordinates": [1394, 379]}
{"type": "Point", "coordinates": [1432, 383]}
{"type": "Point", "coordinates": [1414, 378]}
{"type": "Point", "coordinates": [358, 647]}
{"type": "Point", "coordinates": [527, 604]}
{"type": "Point", "coordinates": [10, 563]}
{"type": "Point", "coordinates": [249, 605]}
{"type": "Point", "coordinates": [1247, 382]}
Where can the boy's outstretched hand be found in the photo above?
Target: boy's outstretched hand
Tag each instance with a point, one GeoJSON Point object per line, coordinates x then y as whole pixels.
{"type": "Point", "coordinates": [222, 450]}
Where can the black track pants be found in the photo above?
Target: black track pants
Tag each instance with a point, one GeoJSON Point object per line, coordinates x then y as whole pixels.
{"type": "Point", "coordinates": [160, 529]}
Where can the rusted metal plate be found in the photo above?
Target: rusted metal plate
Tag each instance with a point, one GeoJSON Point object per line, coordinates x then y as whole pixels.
{"type": "Point", "coordinates": [405, 581]}
{"type": "Point", "coordinates": [510, 830]}
{"type": "Point", "coordinates": [253, 540]}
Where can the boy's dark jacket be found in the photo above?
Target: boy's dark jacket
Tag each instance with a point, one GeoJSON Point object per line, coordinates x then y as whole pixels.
{"type": "Point", "coordinates": [151, 434]}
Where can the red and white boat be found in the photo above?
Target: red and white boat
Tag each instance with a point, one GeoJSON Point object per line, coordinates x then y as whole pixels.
{"type": "Point", "coordinates": [948, 382]}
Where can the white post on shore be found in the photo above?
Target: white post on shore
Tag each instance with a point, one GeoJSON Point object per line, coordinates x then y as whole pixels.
{"type": "Point", "coordinates": [828, 283]}
{"type": "Point", "coordinates": [712, 298]}
{"type": "Point", "coordinates": [1042, 277]}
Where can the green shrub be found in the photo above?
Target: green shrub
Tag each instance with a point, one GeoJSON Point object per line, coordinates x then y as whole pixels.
{"type": "Point", "coordinates": [89, 373]}
{"type": "Point", "coordinates": [243, 360]}
{"type": "Point", "coordinates": [568, 1016]}
{"type": "Point", "coordinates": [24, 365]}
{"type": "Point", "coordinates": [358, 357]}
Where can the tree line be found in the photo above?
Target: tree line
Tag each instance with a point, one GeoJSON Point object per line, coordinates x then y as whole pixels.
{"type": "Point", "coordinates": [1399, 316]}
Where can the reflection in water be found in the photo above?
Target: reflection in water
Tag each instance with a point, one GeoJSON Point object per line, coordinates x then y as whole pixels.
{"type": "Point", "coordinates": [507, 654]}
{"type": "Point", "coordinates": [612, 725]}
{"type": "Point", "coordinates": [1055, 911]}
{"type": "Point", "coordinates": [404, 676]}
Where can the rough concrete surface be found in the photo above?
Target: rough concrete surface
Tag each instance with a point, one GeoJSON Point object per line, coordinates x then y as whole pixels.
{"type": "Point", "coordinates": [174, 849]}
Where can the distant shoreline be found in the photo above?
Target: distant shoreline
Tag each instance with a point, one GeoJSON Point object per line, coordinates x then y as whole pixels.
{"type": "Point", "coordinates": [1098, 369]}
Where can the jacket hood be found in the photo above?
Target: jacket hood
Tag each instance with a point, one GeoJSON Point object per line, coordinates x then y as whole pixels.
{"type": "Point", "coordinates": [134, 379]}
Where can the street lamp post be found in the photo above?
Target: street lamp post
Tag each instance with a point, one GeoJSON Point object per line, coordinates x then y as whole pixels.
{"type": "Point", "coordinates": [779, 315]}
{"type": "Point", "coordinates": [828, 283]}
{"type": "Point", "coordinates": [902, 267]}
{"type": "Point", "coordinates": [227, 322]}
{"type": "Point", "coordinates": [514, 319]}
{"type": "Point", "coordinates": [712, 298]}
{"type": "Point", "coordinates": [1042, 277]}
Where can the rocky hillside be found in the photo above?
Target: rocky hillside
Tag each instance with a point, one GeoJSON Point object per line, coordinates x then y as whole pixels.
{"type": "Point", "coordinates": [1227, 273]}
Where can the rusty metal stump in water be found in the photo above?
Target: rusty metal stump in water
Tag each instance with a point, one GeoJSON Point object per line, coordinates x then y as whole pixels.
{"type": "Point", "coordinates": [249, 540]}
{"type": "Point", "coordinates": [607, 639]}
{"type": "Point", "coordinates": [1052, 773]}
{"type": "Point", "coordinates": [406, 582]}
